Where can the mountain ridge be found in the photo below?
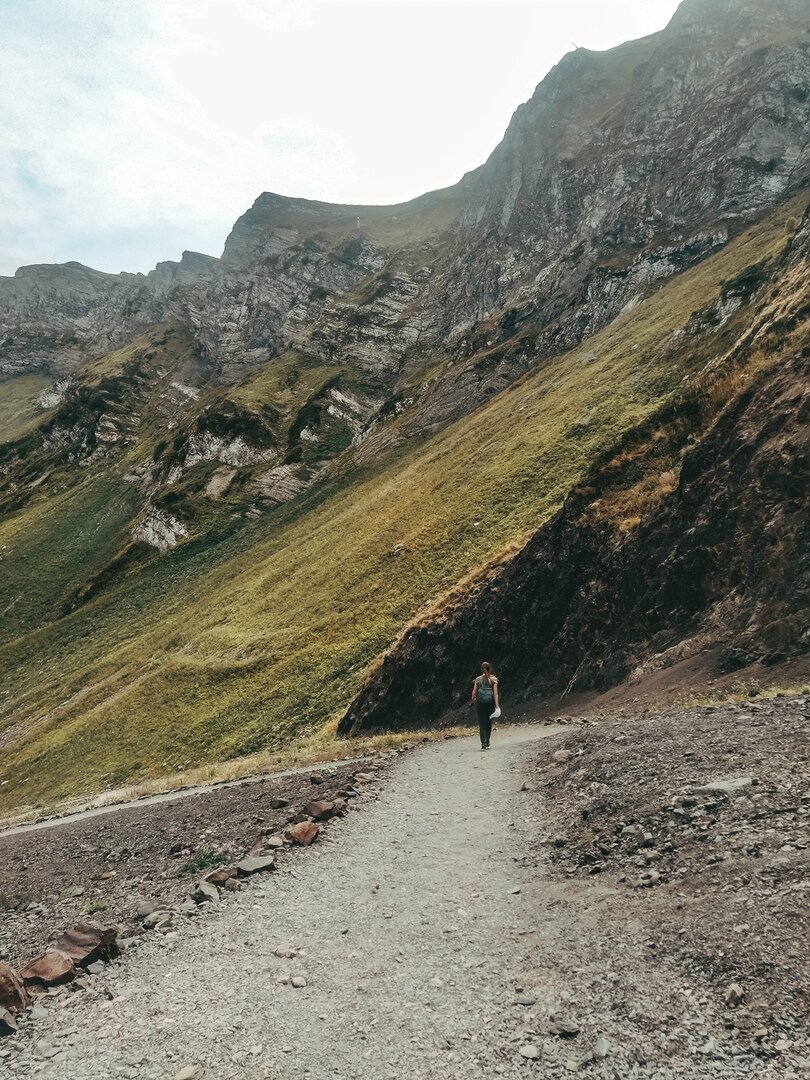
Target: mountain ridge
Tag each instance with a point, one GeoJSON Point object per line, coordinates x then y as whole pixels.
{"type": "Point", "coordinates": [581, 71]}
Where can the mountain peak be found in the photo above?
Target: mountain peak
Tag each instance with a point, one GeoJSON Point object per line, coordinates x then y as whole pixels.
{"type": "Point", "coordinates": [67, 271]}
{"type": "Point", "coordinates": [705, 14]}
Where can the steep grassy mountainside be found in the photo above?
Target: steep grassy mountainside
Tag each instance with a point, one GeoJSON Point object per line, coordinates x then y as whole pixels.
{"type": "Point", "coordinates": [237, 638]}
{"type": "Point", "coordinates": [692, 534]}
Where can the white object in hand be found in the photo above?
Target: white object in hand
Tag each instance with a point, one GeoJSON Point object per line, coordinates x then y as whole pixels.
{"type": "Point", "coordinates": [496, 715]}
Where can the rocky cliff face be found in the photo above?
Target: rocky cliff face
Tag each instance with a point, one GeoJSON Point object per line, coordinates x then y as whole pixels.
{"type": "Point", "coordinates": [690, 536]}
{"type": "Point", "coordinates": [55, 318]}
{"type": "Point", "coordinates": [624, 167]}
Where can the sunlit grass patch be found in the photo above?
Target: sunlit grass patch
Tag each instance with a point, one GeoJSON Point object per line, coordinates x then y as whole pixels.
{"type": "Point", "coordinates": [317, 748]}
{"type": "Point", "coordinates": [18, 404]}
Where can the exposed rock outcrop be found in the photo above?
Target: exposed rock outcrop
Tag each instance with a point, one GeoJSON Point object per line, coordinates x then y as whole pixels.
{"type": "Point", "coordinates": [623, 168]}
{"type": "Point", "coordinates": [159, 530]}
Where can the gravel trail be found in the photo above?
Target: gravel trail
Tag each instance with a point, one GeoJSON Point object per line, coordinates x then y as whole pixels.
{"type": "Point", "coordinates": [431, 946]}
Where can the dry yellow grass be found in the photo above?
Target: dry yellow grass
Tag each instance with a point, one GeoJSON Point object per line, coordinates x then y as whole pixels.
{"type": "Point", "coordinates": [18, 410]}
{"type": "Point", "coordinates": [317, 748]}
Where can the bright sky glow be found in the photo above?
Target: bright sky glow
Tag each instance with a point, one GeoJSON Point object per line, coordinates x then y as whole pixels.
{"type": "Point", "coordinates": [132, 129]}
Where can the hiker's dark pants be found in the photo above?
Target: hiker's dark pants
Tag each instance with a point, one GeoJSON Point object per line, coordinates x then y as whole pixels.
{"type": "Point", "coordinates": [485, 710]}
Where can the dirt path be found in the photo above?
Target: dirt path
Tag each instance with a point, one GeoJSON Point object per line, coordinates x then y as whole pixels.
{"type": "Point", "coordinates": [431, 946]}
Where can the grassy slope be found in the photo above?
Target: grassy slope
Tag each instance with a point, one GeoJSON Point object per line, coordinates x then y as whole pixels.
{"type": "Point", "coordinates": [53, 546]}
{"type": "Point", "coordinates": [220, 649]}
{"type": "Point", "coordinates": [18, 410]}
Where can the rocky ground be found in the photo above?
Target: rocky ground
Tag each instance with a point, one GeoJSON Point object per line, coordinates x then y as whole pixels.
{"type": "Point", "coordinates": [701, 818]}
{"type": "Point", "coordinates": [458, 926]}
{"type": "Point", "coordinates": [102, 866]}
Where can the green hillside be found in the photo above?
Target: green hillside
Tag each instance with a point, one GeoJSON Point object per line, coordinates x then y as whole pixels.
{"type": "Point", "coordinates": [237, 640]}
{"type": "Point", "coordinates": [18, 409]}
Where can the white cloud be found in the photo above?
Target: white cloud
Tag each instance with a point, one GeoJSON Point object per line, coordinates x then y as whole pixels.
{"type": "Point", "coordinates": [135, 128]}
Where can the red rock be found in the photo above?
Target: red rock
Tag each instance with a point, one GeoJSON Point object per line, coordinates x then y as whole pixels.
{"type": "Point", "coordinates": [303, 833]}
{"type": "Point", "coordinates": [86, 943]}
{"type": "Point", "coordinates": [12, 991]}
{"type": "Point", "coordinates": [319, 810]}
{"type": "Point", "coordinates": [221, 875]}
{"type": "Point", "coordinates": [52, 967]}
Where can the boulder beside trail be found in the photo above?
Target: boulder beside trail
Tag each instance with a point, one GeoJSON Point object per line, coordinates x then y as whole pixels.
{"type": "Point", "coordinates": [255, 864]}
{"type": "Point", "coordinates": [85, 943]}
{"type": "Point", "coordinates": [206, 893]}
{"type": "Point", "coordinates": [147, 907]}
{"type": "Point", "coordinates": [221, 875]}
{"type": "Point", "coordinates": [304, 832]}
{"type": "Point", "coordinates": [560, 1025]}
{"type": "Point", "coordinates": [158, 920]}
{"type": "Point", "coordinates": [320, 810]}
{"type": "Point", "coordinates": [13, 995]}
{"type": "Point", "coordinates": [49, 969]}
{"type": "Point", "coordinates": [8, 1022]}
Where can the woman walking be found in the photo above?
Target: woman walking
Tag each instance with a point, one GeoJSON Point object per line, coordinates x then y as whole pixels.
{"type": "Point", "coordinates": [485, 699]}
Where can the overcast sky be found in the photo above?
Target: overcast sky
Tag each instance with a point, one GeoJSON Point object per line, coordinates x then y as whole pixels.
{"type": "Point", "coordinates": [132, 129]}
